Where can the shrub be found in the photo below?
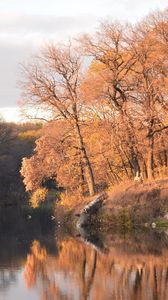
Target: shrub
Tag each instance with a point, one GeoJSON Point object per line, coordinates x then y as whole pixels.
{"type": "Point", "coordinates": [38, 196]}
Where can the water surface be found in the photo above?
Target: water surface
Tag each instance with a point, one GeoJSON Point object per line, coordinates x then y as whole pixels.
{"type": "Point", "coordinates": [40, 261]}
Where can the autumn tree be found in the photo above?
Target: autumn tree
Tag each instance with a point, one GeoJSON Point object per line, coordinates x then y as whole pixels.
{"type": "Point", "coordinates": [150, 84]}
{"type": "Point", "coordinates": [109, 115]}
{"type": "Point", "coordinates": [52, 82]}
{"type": "Point", "coordinates": [110, 50]}
{"type": "Point", "coordinates": [55, 156]}
{"type": "Point", "coordinates": [129, 76]}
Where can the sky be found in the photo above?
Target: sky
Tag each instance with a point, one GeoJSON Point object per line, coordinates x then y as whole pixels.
{"type": "Point", "coordinates": [25, 26]}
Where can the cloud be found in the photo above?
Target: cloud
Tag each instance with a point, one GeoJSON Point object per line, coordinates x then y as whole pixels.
{"type": "Point", "coordinates": [45, 24]}
{"type": "Point", "coordinates": [10, 114]}
{"type": "Point", "coordinates": [11, 54]}
{"type": "Point", "coordinates": [21, 36]}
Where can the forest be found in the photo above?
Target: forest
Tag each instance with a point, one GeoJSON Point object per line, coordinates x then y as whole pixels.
{"type": "Point", "coordinates": [16, 142]}
{"type": "Point", "coordinates": [105, 101]}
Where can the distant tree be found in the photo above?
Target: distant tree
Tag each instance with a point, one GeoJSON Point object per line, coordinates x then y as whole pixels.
{"type": "Point", "coordinates": [12, 149]}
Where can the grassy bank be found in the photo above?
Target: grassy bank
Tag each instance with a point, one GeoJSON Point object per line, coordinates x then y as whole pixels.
{"type": "Point", "coordinates": [135, 204]}
{"type": "Point", "coordinates": [128, 205]}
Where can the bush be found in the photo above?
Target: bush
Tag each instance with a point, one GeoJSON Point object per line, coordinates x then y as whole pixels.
{"type": "Point", "coordinates": [38, 196]}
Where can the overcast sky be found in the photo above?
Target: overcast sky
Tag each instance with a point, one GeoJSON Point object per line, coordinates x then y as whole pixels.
{"type": "Point", "coordinates": [26, 25]}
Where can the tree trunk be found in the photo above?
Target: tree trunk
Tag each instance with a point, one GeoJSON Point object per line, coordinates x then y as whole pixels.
{"type": "Point", "coordinates": [82, 178]}
{"type": "Point", "coordinates": [165, 158]}
{"type": "Point", "coordinates": [150, 159]}
{"type": "Point", "coordinates": [89, 210]}
{"type": "Point", "coordinates": [145, 172]}
{"type": "Point", "coordinates": [88, 168]}
{"type": "Point", "coordinates": [132, 144]}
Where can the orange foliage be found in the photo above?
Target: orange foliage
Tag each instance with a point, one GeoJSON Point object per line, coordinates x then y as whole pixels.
{"type": "Point", "coordinates": [109, 124]}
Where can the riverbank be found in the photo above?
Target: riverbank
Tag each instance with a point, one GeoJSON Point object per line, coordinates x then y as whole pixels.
{"type": "Point", "coordinates": [137, 204]}
{"type": "Point", "coordinates": [130, 205]}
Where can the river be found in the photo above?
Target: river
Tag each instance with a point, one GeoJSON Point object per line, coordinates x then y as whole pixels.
{"type": "Point", "coordinates": [39, 260]}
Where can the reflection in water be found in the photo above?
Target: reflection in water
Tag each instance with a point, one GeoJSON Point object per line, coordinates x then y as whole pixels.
{"type": "Point", "coordinates": [35, 264]}
{"type": "Point", "coordinates": [81, 272]}
{"type": "Point", "coordinates": [17, 234]}
{"type": "Point", "coordinates": [6, 278]}
{"type": "Point", "coordinates": [38, 263]}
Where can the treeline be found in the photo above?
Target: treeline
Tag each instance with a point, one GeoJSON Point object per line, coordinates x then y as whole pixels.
{"type": "Point", "coordinates": [107, 98]}
{"type": "Point", "coordinates": [16, 142]}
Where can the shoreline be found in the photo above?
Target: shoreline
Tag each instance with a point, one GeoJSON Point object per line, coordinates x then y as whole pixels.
{"type": "Point", "coordinates": [132, 205]}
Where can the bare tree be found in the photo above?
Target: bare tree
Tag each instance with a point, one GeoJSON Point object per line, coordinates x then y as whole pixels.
{"type": "Point", "coordinates": [52, 83]}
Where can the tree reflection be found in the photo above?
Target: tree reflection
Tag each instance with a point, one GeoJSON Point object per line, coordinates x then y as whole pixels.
{"type": "Point", "coordinates": [79, 271]}
{"type": "Point", "coordinates": [35, 264]}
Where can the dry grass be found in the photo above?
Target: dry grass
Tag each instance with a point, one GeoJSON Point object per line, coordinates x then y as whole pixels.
{"type": "Point", "coordinates": [144, 201]}
{"type": "Point", "coordinates": [128, 202]}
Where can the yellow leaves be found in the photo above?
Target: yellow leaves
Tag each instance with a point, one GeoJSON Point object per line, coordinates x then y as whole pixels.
{"type": "Point", "coordinates": [29, 135]}
{"type": "Point", "coordinates": [71, 201]}
{"type": "Point", "coordinates": [93, 82]}
{"type": "Point", "coordinates": [38, 196]}
{"type": "Point", "coordinates": [96, 67]}
{"type": "Point", "coordinates": [32, 172]}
